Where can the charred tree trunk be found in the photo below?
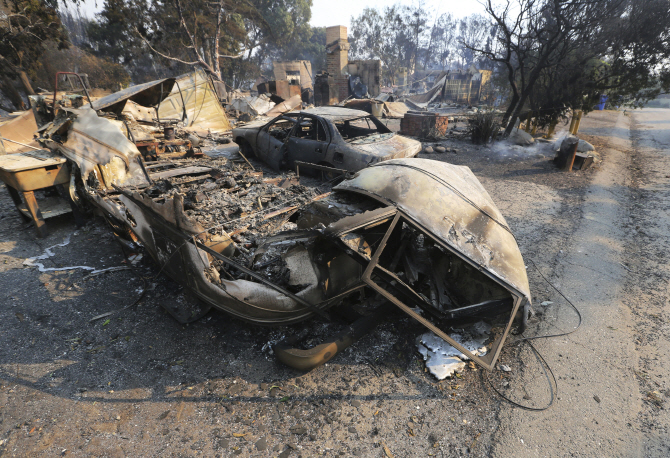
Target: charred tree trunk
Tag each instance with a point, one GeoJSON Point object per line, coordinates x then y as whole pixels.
{"type": "Point", "coordinates": [510, 109]}
{"type": "Point", "coordinates": [25, 81]}
{"type": "Point", "coordinates": [516, 113]}
{"type": "Point", "coordinates": [217, 37]}
{"type": "Point", "coordinates": [515, 93]}
{"type": "Point", "coordinates": [13, 94]}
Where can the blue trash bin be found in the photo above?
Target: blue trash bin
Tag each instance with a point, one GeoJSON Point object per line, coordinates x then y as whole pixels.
{"type": "Point", "coordinates": [601, 106]}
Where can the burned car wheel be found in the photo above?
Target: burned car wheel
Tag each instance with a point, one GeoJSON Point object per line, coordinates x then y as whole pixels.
{"type": "Point", "coordinates": [329, 176]}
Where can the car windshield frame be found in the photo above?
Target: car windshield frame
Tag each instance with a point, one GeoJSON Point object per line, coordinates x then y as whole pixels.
{"type": "Point", "coordinates": [379, 128]}
{"type": "Point", "coordinates": [266, 127]}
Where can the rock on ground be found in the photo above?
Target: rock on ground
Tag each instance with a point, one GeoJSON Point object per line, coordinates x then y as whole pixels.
{"type": "Point", "coordinates": [521, 138]}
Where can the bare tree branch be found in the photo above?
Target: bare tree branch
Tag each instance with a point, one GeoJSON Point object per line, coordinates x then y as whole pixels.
{"type": "Point", "coordinates": [161, 54]}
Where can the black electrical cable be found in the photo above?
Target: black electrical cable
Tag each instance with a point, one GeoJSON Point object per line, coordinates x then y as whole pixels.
{"type": "Point", "coordinates": [553, 384]}
{"type": "Point", "coordinates": [579, 314]}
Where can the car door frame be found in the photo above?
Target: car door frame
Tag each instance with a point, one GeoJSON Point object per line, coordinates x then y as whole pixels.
{"type": "Point", "coordinates": [275, 159]}
{"type": "Point", "coordinates": [313, 151]}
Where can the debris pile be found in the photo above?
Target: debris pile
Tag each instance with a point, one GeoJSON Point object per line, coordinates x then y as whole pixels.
{"type": "Point", "coordinates": [443, 360]}
{"type": "Point", "coordinates": [424, 124]}
{"type": "Point", "coordinates": [221, 194]}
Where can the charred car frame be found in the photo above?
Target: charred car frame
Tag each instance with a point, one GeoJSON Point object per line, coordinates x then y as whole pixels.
{"type": "Point", "coordinates": [331, 136]}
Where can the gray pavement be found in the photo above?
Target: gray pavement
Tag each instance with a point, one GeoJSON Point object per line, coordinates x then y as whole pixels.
{"type": "Point", "coordinates": [603, 401]}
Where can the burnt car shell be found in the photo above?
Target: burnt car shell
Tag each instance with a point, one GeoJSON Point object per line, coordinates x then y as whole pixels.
{"type": "Point", "coordinates": [453, 256]}
{"type": "Point", "coordinates": [332, 136]}
{"type": "Point", "coordinates": [447, 230]}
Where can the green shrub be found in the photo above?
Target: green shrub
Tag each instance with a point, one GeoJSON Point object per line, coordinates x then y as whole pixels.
{"type": "Point", "coordinates": [484, 127]}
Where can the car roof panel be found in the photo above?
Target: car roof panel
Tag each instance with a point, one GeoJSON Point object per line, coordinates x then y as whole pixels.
{"type": "Point", "coordinates": [336, 114]}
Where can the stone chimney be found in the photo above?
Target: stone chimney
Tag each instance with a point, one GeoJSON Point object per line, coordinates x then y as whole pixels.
{"type": "Point", "coordinates": [337, 49]}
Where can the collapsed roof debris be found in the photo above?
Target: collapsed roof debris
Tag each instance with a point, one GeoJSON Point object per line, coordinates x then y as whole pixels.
{"type": "Point", "coordinates": [169, 115]}
{"type": "Point", "coordinates": [195, 96]}
{"type": "Point", "coordinates": [461, 86]}
{"type": "Point", "coordinates": [379, 107]}
{"type": "Point", "coordinates": [189, 99]}
{"type": "Point", "coordinates": [254, 106]}
{"type": "Point", "coordinates": [147, 95]}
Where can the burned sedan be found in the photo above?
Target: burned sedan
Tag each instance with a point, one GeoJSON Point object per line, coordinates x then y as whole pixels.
{"type": "Point", "coordinates": [335, 137]}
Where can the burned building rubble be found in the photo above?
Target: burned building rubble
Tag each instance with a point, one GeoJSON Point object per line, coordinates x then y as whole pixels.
{"type": "Point", "coordinates": [469, 86]}
{"type": "Point", "coordinates": [341, 80]}
{"type": "Point", "coordinates": [167, 115]}
{"type": "Point", "coordinates": [274, 249]}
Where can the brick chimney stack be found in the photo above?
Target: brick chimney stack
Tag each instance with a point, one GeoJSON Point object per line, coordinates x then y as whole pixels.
{"type": "Point", "coordinates": [337, 49]}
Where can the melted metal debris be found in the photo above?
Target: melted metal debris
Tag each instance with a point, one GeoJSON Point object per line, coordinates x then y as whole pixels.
{"type": "Point", "coordinates": [231, 197]}
{"type": "Point", "coordinates": [443, 360]}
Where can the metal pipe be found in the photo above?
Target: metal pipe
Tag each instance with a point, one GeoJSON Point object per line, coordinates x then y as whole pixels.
{"type": "Point", "coordinates": [22, 144]}
{"type": "Point", "coordinates": [158, 107]}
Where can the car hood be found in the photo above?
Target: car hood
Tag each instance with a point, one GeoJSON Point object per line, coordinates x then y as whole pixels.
{"type": "Point", "coordinates": [253, 125]}
{"type": "Point", "coordinates": [147, 94]}
{"type": "Point", "coordinates": [387, 146]}
{"type": "Point", "coordinates": [450, 203]}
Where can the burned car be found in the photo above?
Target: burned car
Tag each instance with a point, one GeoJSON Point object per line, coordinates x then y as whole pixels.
{"type": "Point", "coordinates": [335, 137]}
{"type": "Point", "coordinates": [453, 258]}
{"type": "Point", "coordinates": [414, 235]}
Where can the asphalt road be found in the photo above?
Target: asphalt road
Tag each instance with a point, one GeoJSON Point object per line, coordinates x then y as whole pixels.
{"type": "Point", "coordinates": [648, 283]}
{"type": "Point", "coordinates": [612, 373]}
